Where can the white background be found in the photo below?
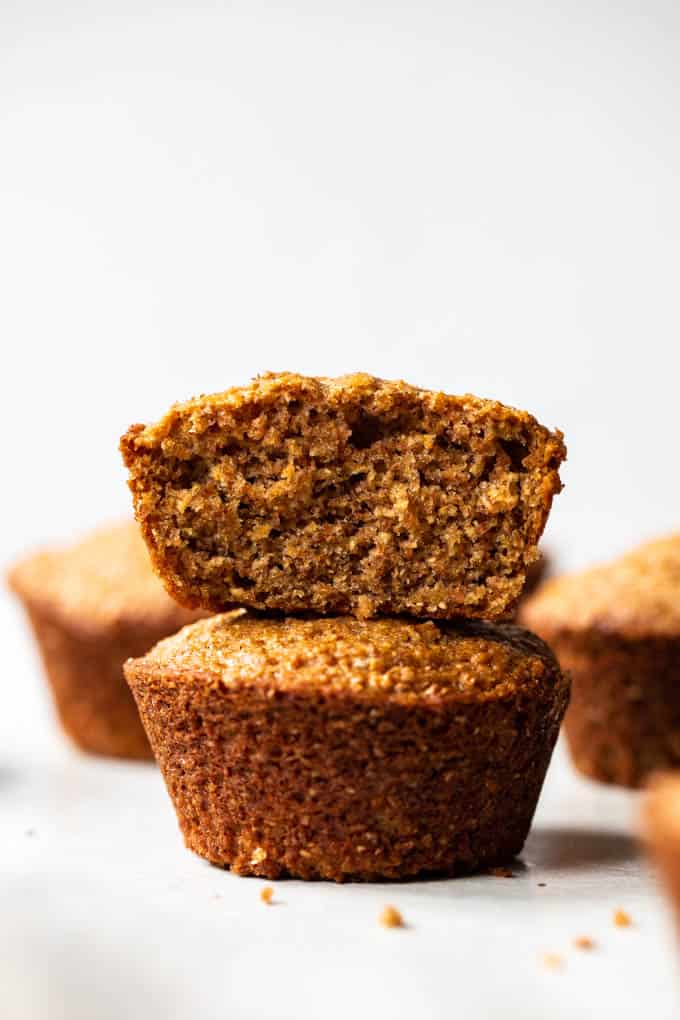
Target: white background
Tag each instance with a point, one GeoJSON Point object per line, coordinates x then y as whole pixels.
{"type": "Point", "coordinates": [472, 196]}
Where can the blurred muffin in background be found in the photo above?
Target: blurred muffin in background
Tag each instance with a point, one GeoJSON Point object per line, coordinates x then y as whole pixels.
{"type": "Point", "coordinates": [616, 629]}
{"type": "Point", "coordinates": [661, 831]}
{"type": "Point", "coordinates": [536, 575]}
{"type": "Point", "coordinates": [93, 605]}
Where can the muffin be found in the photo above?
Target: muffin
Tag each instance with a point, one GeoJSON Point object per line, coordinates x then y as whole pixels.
{"type": "Point", "coordinates": [338, 748]}
{"type": "Point", "coordinates": [616, 630]}
{"type": "Point", "coordinates": [91, 607]}
{"type": "Point", "coordinates": [661, 831]}
{"type": "Point", "coordinates": [344, 496]}
{"type": "Point", "coordinates": [536, 575]}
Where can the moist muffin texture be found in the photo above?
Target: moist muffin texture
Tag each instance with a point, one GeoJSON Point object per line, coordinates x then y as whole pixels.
{"type": "Point", "coordinates": [91, 607]}
{"type": "Point", "coordinates": [616, 630]}
{"type": "Point", "coordinates": [348, 496]}
{"type": "Point", "coordinates": [339, 748]}
{"type": "Point", "coordinates": [661, 831]}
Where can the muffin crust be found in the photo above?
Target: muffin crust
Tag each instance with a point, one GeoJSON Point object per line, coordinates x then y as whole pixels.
{"type": "Point", "coordinates": [348, 495]}
{"type": "Point", "coordinates": [338, 748]}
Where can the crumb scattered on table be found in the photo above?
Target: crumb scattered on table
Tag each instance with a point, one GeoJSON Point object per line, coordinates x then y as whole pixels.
{"type": "Point", "coordinates": [584, 942]}
{"type": "Point", "coordinates": [622, 919]}
{"type": "Point", "coordinates": [266, 894]}
{"type": "Point", "coordinates": [553, 961]}
{"type": "Point", "coordinates": [502, 872]}
{"type": "Point", "coordinates": [542, 885]}
{"type": "Point", "coordinates": [391, 918]}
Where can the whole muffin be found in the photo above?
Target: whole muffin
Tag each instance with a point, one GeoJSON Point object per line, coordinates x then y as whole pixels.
{"type": "Point", "coordinates": [616, 630]}
{"type": "Point", "coordinates": [336, 748]}
{"type": "Point", "coordinates": [344, 496]}
{"type": "Point", "coordinates": [91, 607]}
{"type": "Point", "coordinates": [661, 831]}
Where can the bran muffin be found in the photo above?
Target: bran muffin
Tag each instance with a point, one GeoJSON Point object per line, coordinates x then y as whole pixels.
{"type": "Point", "coordinates": [91, 607]}
{"type": "Point", "coordinates": [339, 748]}
{"type": "Point", "coordinates": [536, 575]}
{"type": "Point", "coordinates": [661, 831]}
{"type": "Point", "coordinates": [343, 496]}
{"type": "Point", "coordinates": [616, 629]}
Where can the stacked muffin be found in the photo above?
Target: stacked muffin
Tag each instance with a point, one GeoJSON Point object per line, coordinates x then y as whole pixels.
{"type": "Point", "coordinates": [349, 715]}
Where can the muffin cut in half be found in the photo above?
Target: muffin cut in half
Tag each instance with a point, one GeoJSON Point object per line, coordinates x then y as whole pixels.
{"type": "Point", "coordinates": [661, 831]}
{"type": "Point", "coordinates": [91, 607]}
{"type": "Point", "coordinates": [616, 630]}
{"type": "Point", "coordinates": [338, 748]}
{"type": "Point", "coordinates": [343, 496]}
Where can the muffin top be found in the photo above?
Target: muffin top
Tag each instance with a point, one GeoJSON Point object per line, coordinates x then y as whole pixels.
{"type": "Point", "coordinates": [268, 387]}
{"type": "Point", "coordinates": [103, 581]}
{"type": "Point", "coordinates": [636, 596]}
{"type": "Point", "coordinates": [393, 659]}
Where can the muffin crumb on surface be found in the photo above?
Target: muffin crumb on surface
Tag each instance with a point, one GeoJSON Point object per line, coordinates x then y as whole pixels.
{"type": "Point", "coordinates": [391, 918]}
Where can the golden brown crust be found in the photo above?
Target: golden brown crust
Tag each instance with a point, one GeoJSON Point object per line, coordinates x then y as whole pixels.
{"type": "Point", "coordinates": [338, 748]}
{"type": "Point", "coordinates": [661, 831]}
{"type": "Point", "coordinates": [92, 606]}
{"type": "Point", "coordinates": [348, 495]}
{"type": "Point", "coordinates": [404, 660]}
{"type": "Point", "coordinates": [616, 630]}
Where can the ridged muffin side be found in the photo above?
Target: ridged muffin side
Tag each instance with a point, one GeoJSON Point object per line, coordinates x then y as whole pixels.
{"type": "Point", "coordinates": [343, 749]}
{"type": "Point", "coordinates": [615, 629]}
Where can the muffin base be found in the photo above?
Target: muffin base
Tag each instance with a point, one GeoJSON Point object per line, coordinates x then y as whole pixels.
{"type": "Point", "coordinates": [623, 722]}
{"type": "Point", "coordinates": [319, 785]}
{"type": "Point", "coordinates": [85, 674]}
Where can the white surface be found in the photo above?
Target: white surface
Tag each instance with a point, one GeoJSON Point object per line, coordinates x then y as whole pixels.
{"type": "Point", "coordinates": [106, 915]}
{"type": "Point", "coordinates": [474, 196]}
